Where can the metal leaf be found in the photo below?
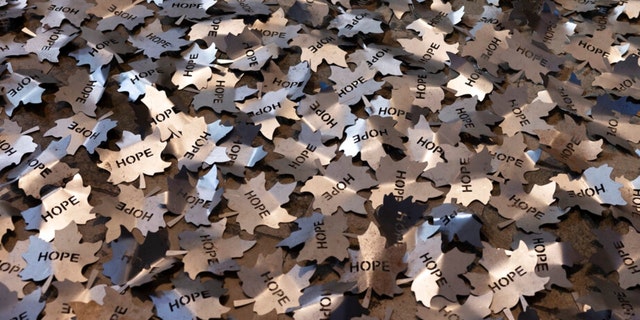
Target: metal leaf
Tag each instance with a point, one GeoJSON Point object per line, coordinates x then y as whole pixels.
{"type": "Point", "coordinates": [46, 45]}
{"type": "Point", "coordinates": [190, 299]}
{"type": "Point", "coordinates": [59, 208]}
{"type": "Point", "coordinates": [63, 258]}
{"type": "Point", "coordinates": [83, 130]}
{"type": "Point", "coordinates": [113, 13]}
{"type": "Point", "coordinates": [208, 251]}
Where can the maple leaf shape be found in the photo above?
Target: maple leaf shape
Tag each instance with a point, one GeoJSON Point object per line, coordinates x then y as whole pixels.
{"type": "Point", "coordinates": [475, 307]}
{"type": "Point", "coordinates": [191, 9]}
{"type": "Point", "coordinates": [629, 192]}
{"type": "Point", "coordinates": [440, 17]}
{"type": "Point", "coordinates": [367, 136]}
{"type": "Point", "coordinates": [83, 130]}
{"type": "Point", "coordinates": [425, 89]}
{"type": "Point", "coordinates": [252, 201]}
{"type": "Point", "coordinates": [615, 127]}
{"type": "Point", "coordinates": [619, 253]}
{"type": "Point", "coordinates": [528, 210]}
{"type": "Point", "coordinates": [195, 200]}
{"type": "Point", "coordinates": [470, 81]}
{"type": "Point", "coordinates": [247, 52]}
{"type": "Point", "coordinates": [399, 108]}
{"type": "Point", "coordinates": [488, 56]}
{"type": "Point", "coordinates": [318, 45]}
{"type": "Point", "coordinates": [378, 58]}
{"type": "Point", "coordinates": [84, 90]}
{"type": "Point", "coordinates": [323, 237]}
{"type": "Point", "coordinates": [388, 261]}
{"type": "Point", "coordinates": [67, 292]}
{"type": "Point", "coordinates": [124, 305]}
{"type": "Point", "coordinates": [208, 251]}
{"type": "Point", "coordinates": [205, 305]}
{"type": "Point", "coordinates": [453, 221]}
{"type": "Point", "coordinates": [259, 282]}
{"type": "Point", "coordinates": [43, 168]}
{"type": "Point", "coordinates": [397, 218]}
{"type": "Point", "coordinates": [622, 80]}
{"type": "Point", "coordinates": [469, 175]}
{"type": "Point", "coordinates": [195, 146]}
{"type": "Point", "coordinates": [113, 13]}
{"type": "Point", "coordinates": [400, 179]}
{"type": "Point", "coordinates": [355, 21]}
{"type": "Point", "coordinates": [216, 29]}
{"type": "Point", "coordinates": [165, 116]}
{"type": "Point", "coordinates": [517, 266]}
{"type": "Point", "coordinates": [436, 273]}
{"type": "Point", "coordinates": [294, 81]}
{"type": "Point", "coordinates": [511, 161]}
{"type": "Point", "coordinates": [275, 30]}
{"type": "Point", "coordinates": [590, 191]}
{"type": "Point", "coordinates": [10, 48]}
{"type": "Point", "coordinates": [474, 122]}
{"type": "Point", "coordinates": [195, 67]}
{"type": "Point", "coordinates": [46, 258]}
{"type": "Point", "coordinates": [338, 187]}
{"type": "Point", "coordinates": [221, 94]}
{"type": "Point", "coordinates": [59, 208]}
{"type": "Point", "coordinates": [596, 50]}
{"type": "Point", "coordinates": [430, 52]}
{"type": "Point", "coordinates": [134, 263]}
{"type": "Point", "coordinates": [609, 296]}
{"type": "Point", "coordinates": [135, 158]}
{"type": "Point", "coordinates": [352, 86]}
{"type": "Point", "coordinates": [525, 117]}
{"type": "Point", "coordinates": [153, 41]}
{"type": "Point", "coordinates": [14, 264]}
{"type": "Point", "coordinates": [552, 255]}
{"type": "Point", "coordinates": [570, 145]}
{"type": "Point", "coordinates": [145, 72]}
{"type": "Point", "coordinates": [568, 95]}
{"type": "Point", "coordinates": [20, 88]}
{"type": "Point", "coordinates": [28, 307]}
{"type": "Point", "coordinates": [310, 13]}
{"type": "Point", "coordinates": [18, 143]}
{"type": "Point", "coordinates": [46, 45]}
{"type": "Point", "coordinates": [523, 54]}
{"type": "Point", "coordinates": [133, 209]}
{"type": "Point", "coordinates": [425, 146]}
{"type": "Point", "coordinates": [304, 156]}
{"type": "Point", "coordinates": [239, 149]}
{"type": "Point", "coordinates": [101, 48]}
{"type": "Point", "coordinates": [264, 111]}
{"type": "Point", "coordinates": [314, 303]}
{"type": "Point", "coordinates": [244, 8]}
{"type": "Point", "coordinates": [60, 10]}
{"type": "Point", "coordinates": [324, 113]}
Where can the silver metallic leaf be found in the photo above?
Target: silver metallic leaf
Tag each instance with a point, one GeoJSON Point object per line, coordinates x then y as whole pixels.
{"type": "Point", "coordinates": [221, 94]}
{"type": "Point", "coordinates": [264, 111]}
{"type": "Point", "coordinates": [339, 187]}
{"type": "Point", "coordinates": [63, 258]}
{"type": "Point", "coordinates": [101, 48]}
{"type": "Point", "coordinates": [195, 144]}
{"type": "Point", "coordinates": [12, 264]}
{"type": "Point", "coordinates": [113, 13]}
{"type": "Point", "coordinates": [20, 88]}
{"type": "Point", "coordinates": [59, 208]}
{"type": "Point", "coordinates": [83, 130]}
{"type": "Point", "coordinates": [352, 86]}
{"type": "Point", "coordinates": [15, 142]}
{"type": "Point", "coordinates": [208, 251]}
{"type": "Point", "coordinates": [133, 210]}
{"type": "Point", "coordinates": [276, 30]}
{"type": "Point", "coordinates": [29, 307]}
{"type": "Point", "coordinates": [551, 255]}
{"type": "Point", "coordinates": [202, 299]}
{"type": "Point", "coordinates": [594, 189]}
{"type": "Point", "coordinates": [248, 52]}
{"type": "Point", "coordinates": [59, 10]}
{"type": "Point", "coordinates": [135, 158]}
{"type": "Point", "coordinates": [48, 42]}
{"type": "Point", "coordinates": [367, 137]}
{"type": "Point", "coordinates": [453, 221]}
{"type": "Point", "coordinates": [43, 168]}
{"type": "Point", "coordinates": [256, 205]}
{"type": "Point", "coordinates": [324, 113]}
{"type": "Point", "coordinates": [143, 73]}
{"type": "Point", "coordinates": [84, 90]}
{"type": "Point", "coordinates": [194, 200]}
{"type": "Point", "coordinates": [294, 81]}
{"type": "Point", "coordinates": [195, 67]}
{"type": "Point", "coordinates": [619, 253]}
{"type": "Point", "coordinates": [153, 40]}
{"type": "Point", "coordinates": [375, 265]}
{"type": "Point", "coordinates": [189, 9]}
{"type": "Point", "coordinates": [355, 21]}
